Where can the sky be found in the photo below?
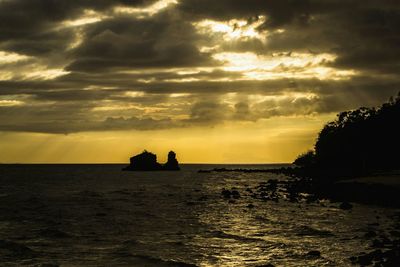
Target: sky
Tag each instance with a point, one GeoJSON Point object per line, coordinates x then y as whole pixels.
{"type": "Point", "coordinates": [227, 81]}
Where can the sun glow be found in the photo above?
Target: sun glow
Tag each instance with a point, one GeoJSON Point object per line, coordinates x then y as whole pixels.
{"type": "Point", "coordinates": [88, 17]}
{"type": "Point", "coordinates": [233, 29]}
{"type": "Point", "coordinates": [10, 103]}
{"type": "Point", "coordinates": [8, 57]}
{"type": "Point", "coordinates": [292, 96]}
{"type": "Point", "coordinates": [134, 94]}
{"type": "Point", "coordinates": [45, 74]}
{"type": "Point", "coordinates": [281, 65]}
{"type": "Point", "coordinates": [146, 11]}
{"type": "Point", "coordinates": [29, 67]}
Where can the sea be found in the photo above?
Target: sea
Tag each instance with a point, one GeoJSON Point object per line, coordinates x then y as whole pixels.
{"type": "Point", "coordinates": [99, 215]}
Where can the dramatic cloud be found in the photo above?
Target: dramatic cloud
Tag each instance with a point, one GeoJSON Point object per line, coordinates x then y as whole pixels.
{"type": "Point", "coordinates": [80, 66]}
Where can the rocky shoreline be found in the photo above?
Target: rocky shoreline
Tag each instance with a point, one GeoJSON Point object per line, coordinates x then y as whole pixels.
{"type": "Point", "coordinates": [384, 248]}
{"type": "Point", "coordinates": [323, 186]}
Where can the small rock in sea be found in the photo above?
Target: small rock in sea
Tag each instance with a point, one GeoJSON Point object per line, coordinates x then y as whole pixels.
{"type": "Point", "coordinates": [226, 193]}
{"type": "Point", "coordinates": [346, 206]}
{"type": "Point", "coordinates": [377, 243]}
{"type": "Point", "coordinates": [178, 243]}
{"type": "Point", "coordinates": [272, 184]}
{"type": "Point", "coordinates": [231, 201]}
{"type": "Point", "coordinates": [311, 199]}
{"type": "Point", "coordinates": [275, 199]}
{"type": "Point", "coordinates": [377, 255]}
{"type": "Point", "coordinates": [365, 259]}
{"type": "Point", "coordinates": [202, 198]}
{"type": "Point", "coordinates": [47, 265]}
{"type": "Point", "coordinates": [250, 206]}
{"type": "Point", "coordinates": [370, 234]}
{"type": "Point", "coordinates": [314, 254]}
{"type": "Point", "coordinates": [395, 233]}
{"type": "Point", "coordinates": [235, 194]}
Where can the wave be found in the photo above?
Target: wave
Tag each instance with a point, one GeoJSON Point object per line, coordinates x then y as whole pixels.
{"type": "Point", "coordinates": [305, 230]}
{"type": "Point", "coordinates": [146, 260]}
{"type": "Point", "coordinates": [221, 234]}
{"type": "Point", "coordinates": [13, 249]}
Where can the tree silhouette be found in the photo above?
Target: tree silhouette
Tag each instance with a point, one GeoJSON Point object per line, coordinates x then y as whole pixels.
{"type": "Point", "coordinates": [358, 141]}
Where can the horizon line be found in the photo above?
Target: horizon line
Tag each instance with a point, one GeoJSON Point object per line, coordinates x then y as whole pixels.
{"type": "Point", "coordinates": [121, 163]}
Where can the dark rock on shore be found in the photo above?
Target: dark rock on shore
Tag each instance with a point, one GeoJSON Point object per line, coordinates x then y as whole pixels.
{"type": "Point", "coordinates": [250, 206]}
{"type": "Point", "coordinates": [230, 193]}
{"type": "Point", "coordinates": [226, 193]}
{"type": "Point", "coordinates": [313, 254]}
{"type": "Point", "coordinates": [204, 171]}
{"type": "Point", "coordinates": [346, 206]}
{"type": "Point", "coordinates": [266, 265]}
{"type": "Point", "coordinates": [235, 194]}
{"type": "Point", "coordinates": [277, 170]}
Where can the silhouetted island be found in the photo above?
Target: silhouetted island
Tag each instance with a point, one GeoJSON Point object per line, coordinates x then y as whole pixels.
{"type": "Point", "coordinates": [147, 161]}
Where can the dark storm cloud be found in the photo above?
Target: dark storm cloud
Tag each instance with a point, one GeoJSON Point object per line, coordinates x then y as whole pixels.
{"type": "Point", "coordinates": [366, 38]}
{"type": "Point", "coordinates": [72, 117]}
{"type": "Point", "coordinates": [279, 12]}
{"type": "Point", "coordinates": [364, 34]}
{"type": "Point", "coordinates": [29, 27]}
{"type": "Point", "coordinates": [124, 59]}
{"type": "Point", "coordinates": [209, 112]}
{"type": "Point", "coordinates": [126, 42]}
{"type": "Point", "coordinates": [68, 111]}
{"type": "Point", "coordinates": [372, 89]}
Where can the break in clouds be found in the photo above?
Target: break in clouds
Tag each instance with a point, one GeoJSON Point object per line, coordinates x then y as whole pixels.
{"type": "Point", "coordinates": [72, 66]}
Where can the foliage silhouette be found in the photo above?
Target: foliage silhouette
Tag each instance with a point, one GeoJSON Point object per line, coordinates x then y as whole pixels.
{"type": "Point", "coordinates": [358, 142]}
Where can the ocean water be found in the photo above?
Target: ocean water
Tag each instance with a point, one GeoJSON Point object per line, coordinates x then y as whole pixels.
{"type": "Point", "coordinates": [98, 215]}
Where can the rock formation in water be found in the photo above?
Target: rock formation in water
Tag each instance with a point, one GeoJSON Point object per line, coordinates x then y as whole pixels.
{"type": "Point", "coordinates": [147, 161]}
{"type": "Point", "coordinates": [172, 163]}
